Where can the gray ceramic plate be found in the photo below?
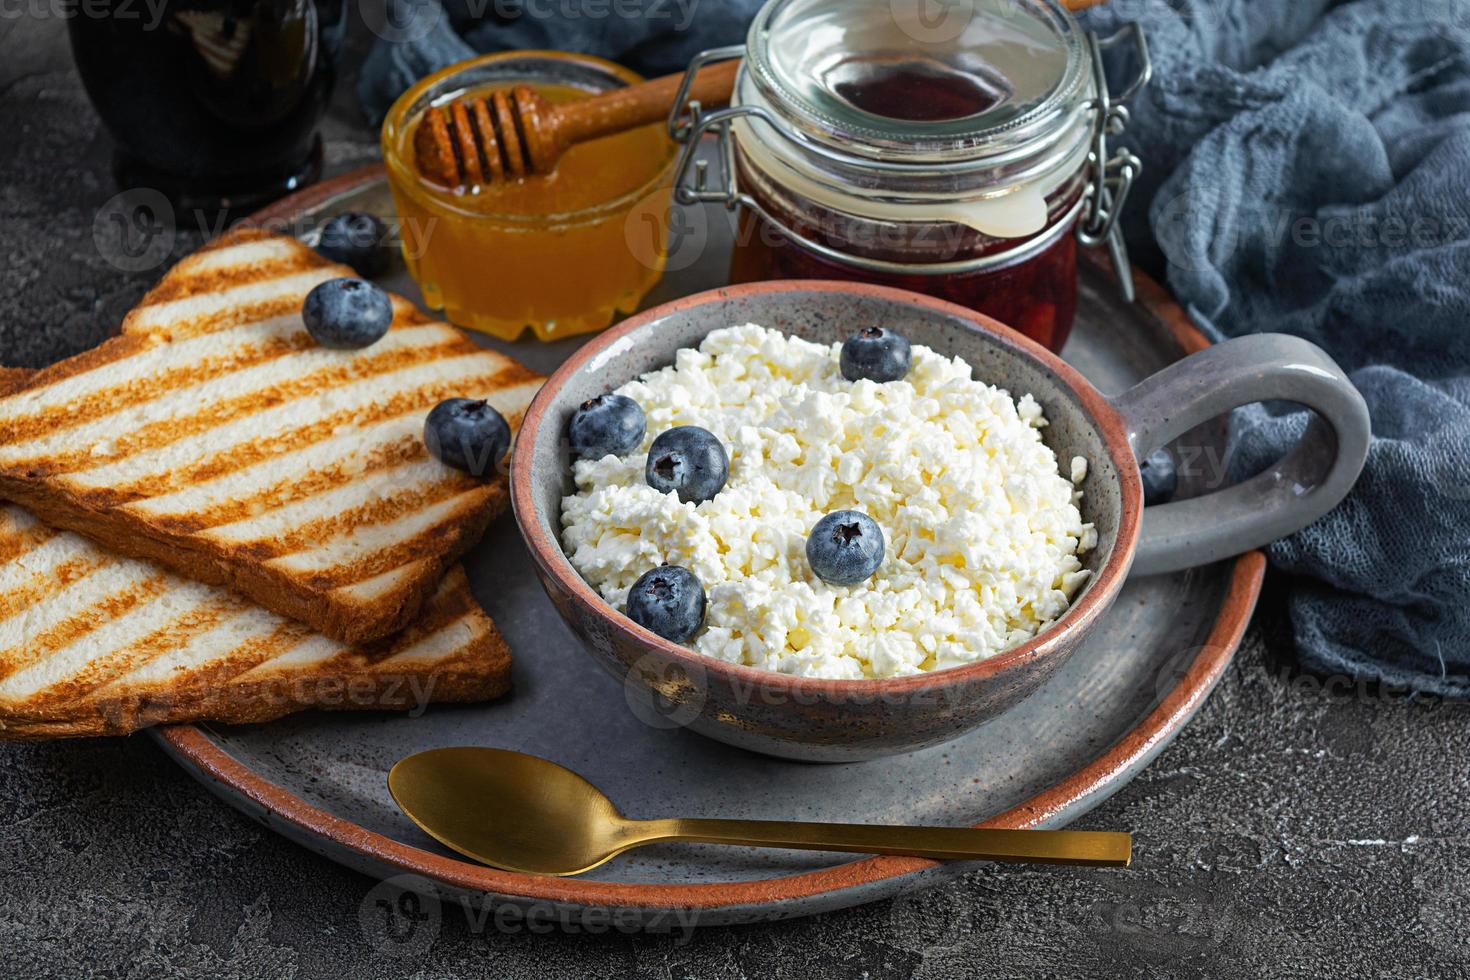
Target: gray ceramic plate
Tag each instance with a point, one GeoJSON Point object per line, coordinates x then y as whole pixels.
{"type": "Point", "coordinates": [321, 778]}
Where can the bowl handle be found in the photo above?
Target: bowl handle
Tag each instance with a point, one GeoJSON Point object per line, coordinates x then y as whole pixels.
{"type": "Point", "coordinates": [1305, 484]}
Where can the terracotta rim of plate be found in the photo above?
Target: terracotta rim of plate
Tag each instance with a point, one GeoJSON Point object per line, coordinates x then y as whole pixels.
{"type": "Point", "coordinates": [1170, 714]}
{"type": "Point", "coordinates": [1095, 600]}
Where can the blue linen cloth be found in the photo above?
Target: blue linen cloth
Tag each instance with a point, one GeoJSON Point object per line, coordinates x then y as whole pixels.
{"type": "Point", "coordinates": [1307, 171]}
{"type": "Point", "coordinates": [653, 37]}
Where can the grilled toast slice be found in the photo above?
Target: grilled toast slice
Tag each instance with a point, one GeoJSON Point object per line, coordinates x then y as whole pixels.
{"type": "Point", "coordinates": [93, 644]}
{"type": "Point", "coordinates": [215, 437]}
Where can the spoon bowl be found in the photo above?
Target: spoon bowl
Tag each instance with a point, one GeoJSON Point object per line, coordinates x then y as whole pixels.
{"type": "Point", "coordinates": [510, 810]}
{"type": "Point", "coordinates": [520, 813]}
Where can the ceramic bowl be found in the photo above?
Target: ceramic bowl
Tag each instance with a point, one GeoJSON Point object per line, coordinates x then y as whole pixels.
{"type": "Point", "coordinates": [837, 721]}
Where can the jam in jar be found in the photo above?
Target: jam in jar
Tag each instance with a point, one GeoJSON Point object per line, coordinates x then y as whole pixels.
{"type": "Point", "coordinates": [955, 156]}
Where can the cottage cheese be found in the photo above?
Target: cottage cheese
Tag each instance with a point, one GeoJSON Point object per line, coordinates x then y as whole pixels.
{"type": "Point", "coordinates": [983, 532]}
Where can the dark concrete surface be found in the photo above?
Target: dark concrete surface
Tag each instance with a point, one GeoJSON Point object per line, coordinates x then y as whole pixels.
{"type": "Point", "coordinates": [1294, 830]}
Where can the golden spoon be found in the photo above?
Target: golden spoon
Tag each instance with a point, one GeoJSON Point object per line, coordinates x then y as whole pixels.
{"type": "Point", "coordinates": [521, 813]}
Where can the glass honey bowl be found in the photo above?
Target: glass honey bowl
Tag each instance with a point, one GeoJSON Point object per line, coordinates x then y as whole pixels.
{"type": "Point", "coordinates": [562, 253]}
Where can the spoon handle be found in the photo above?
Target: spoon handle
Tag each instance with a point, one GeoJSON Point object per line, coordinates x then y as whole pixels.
{"type": "Point", "coordinates": [1092, 848]}
{"type": "Point", "coordinates": [644, 103]}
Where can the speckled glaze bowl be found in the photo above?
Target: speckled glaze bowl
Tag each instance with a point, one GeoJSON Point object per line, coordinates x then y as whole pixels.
{"type": "Point", "coordinates": [842, 721]}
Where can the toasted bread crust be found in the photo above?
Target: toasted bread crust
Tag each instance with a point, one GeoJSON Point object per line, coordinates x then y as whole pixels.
{"type": "Point", "coordinates": [236, 568]}
{"type": "Point", "coordinates": [482, 674]}
{"type": "Point", "coordinates": [123, 716]}
{"type": "Point", "coordinates": [89, 665]}
{"type": "Point", "coordinates": [12, 379]}
{"type": "Point", "coordinates": [317, 594]}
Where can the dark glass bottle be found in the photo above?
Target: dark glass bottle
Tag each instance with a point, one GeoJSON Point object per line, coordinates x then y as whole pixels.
{"type": "Point", "coordinates": [215, 103]}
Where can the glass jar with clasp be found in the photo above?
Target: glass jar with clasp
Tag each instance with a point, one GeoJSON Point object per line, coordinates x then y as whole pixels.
{"type": "Point", "coordinates": [964, 156]}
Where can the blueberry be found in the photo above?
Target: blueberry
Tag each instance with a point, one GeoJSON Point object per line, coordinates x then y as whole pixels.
{"type": "Point", "coordinates": [347, 313]}
{"type": "Point", "coordinates": [689, 461]}
{"type": "Point", "coordinates": [669, 601]}
{"type": "Point", "coordinates": [606, 425]}
{"type": "Point", "coordinates": [875, 353]}
{"type": "Point", "coordinates": [358, 240]}
{"type": "Point", "coordinates": [467, 434]}
{"type": "Point", "coordinates": [1160, 478]}
{"type": "Point", "coordinates": [845, 547]}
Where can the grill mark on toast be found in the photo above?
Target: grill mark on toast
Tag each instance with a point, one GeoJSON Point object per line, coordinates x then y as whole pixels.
{"type": "Point", "coordinates": [18, 598]}
{"type": "Point", "coordinates": [379, 511]}
{"type": "Point", "coordinates": [105, 353]}
{"type": "Point", "coordinates": [376, 683]}
{"type": "Point", "coordinates": [37, 648]}
{"type": "Point", "coordinates": [392, 582]}
{"type": "Point", "coordinates": [168, 328]}
{"type": "Point", "coordinates": [182, 401]}
{"type": "Point", "coordinates": [413, 316]}
{"type": "Point", "coordinates": [441, 611]}
{"type": "Point", "coordinates": [269, 484]}
{"type": "Point", "coordinates": [14, 543]}
{"type": "Point", "coordinates": [158, 322]}
{"type": "Point", "coordinates": [188, 681]}
{"type": "Point", "coordinates": [225, 276]}
{"type": "Point", "coordinates": [202, 682]}
{"type": "Point", "coordinates": [167, 431]}
{"type": "Point", "coordinates": [409, 654]}
{"type": "Point", "coordinates": [291, 490]}
{"type": "Point", "coordinates": [131, 361]}
{"type": "Point", "coordinates": [239, 246]}
{"type": "Point", "coordinates": [313, 651]}
{"type": "Point", "coordinates": [145, 388]}
{"type": "Point", "coordinates": [435, 539]}
{"type": "Point", "coordinates": [103, 670]}
{"type": "Point", "coordinates": [424, 395]}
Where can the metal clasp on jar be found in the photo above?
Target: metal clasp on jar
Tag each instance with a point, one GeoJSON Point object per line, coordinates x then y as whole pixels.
{"type": "Point", "coordinates": [1110, 177]}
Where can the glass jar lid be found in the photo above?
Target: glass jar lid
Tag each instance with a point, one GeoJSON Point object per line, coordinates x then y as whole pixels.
{"type": "Point", "coordinates": [907, 81]}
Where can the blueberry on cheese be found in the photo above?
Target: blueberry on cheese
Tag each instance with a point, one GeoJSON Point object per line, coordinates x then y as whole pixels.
{"type": "Point", "coordinates": [983, 538]}
{"type": "Point", "coordinates": [347, 313]}
{"type": "Point", "coordinates": [877, 354]}
{"type": "Point", "coordinates": [845, 547]}
{"type": "Point", "coordinates": [688, 462]}
{"type": "Point", "coordinates": [606, 425]}
{"type": "Point", "coordinates": [668, 601]}
{"type": "Point", "coordinates": [467, 434]}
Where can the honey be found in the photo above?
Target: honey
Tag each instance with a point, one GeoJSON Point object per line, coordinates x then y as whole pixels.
{"type": "Point", "coordinates": [562, 254]}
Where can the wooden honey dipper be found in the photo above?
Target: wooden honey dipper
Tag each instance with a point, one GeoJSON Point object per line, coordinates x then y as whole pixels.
{"type": "Point", "coordinates": [510, 133]}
